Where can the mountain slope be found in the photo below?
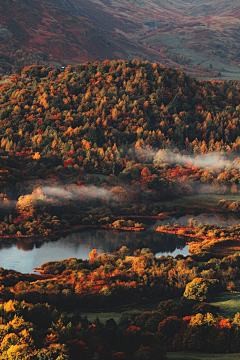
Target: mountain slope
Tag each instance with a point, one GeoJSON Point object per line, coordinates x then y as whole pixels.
{"type": "Point", "coordinates": [201, 38]}
{"type": "Point", "coordinates": [87, 110]}
{"type": "Point", "coordinates": [197, 36]}
{"type": "Point", "coordinates": [50, 34]}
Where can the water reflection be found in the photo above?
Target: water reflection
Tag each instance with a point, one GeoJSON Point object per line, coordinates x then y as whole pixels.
{"type": "Point", "coordinates": [25, 254]}
{"type": "Point", "coordinates": [79, 245]}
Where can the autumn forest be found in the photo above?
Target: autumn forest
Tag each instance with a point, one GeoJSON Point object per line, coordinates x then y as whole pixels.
{"type": "Point", "coordinates": [123, 146]}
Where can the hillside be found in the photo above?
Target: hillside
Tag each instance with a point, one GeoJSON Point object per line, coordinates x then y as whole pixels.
{"type": "Point", "coordinates": [53, 33]}
{"type": "Point", "coordinates": [151, 132]}
{"type": "Point", "coordinates": [117, 117]}
{"type": "Point", "coordinates": [97, 105]}
{"type": "Point", "coordinates": [106, 145]}
{"type": "Point", "coordinates": [197, 37]}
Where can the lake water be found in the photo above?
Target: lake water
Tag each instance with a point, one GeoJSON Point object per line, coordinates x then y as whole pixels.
{"type": "Point", "coordinates": [26, 254]}
{"type": "Point", "coordinates": [24, 258]}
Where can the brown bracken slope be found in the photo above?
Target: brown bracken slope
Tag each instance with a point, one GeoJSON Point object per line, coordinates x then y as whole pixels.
{"type": "Point", "coordinates": [200, 37]}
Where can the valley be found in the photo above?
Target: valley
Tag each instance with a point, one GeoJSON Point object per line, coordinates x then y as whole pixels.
{"type": "Point", "coordinates": [119, 184]}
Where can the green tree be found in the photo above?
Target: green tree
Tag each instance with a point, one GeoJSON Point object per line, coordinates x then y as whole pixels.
{"type": "Point", "coordinates": [201, 289]}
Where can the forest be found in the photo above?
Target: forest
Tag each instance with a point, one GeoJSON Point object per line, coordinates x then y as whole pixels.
{"type": "Point", "coordinates": [115, 145]}
{"type": "Point", "coordinates": [41, 315]}
{"type": "Point", "coordinates": [152, 133]}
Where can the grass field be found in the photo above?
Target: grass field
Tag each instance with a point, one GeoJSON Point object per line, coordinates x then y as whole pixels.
{"type": "Point", "coordinates": [103, 316]}
{"type": "Point", "coordinates": [184, 355]}
{"type": "Point", "coordinates": [4, 81]}
{"type": "Point", "coordinates": [228, 303]}
{"type": "Point", "coordinates": [201, 199]}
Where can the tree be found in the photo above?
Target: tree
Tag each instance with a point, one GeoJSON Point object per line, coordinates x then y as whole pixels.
{"type": "Point", "coordinates": [119, 193]}
{"type": "Point", "coordinates": [201, 289]}
{"type": "Point", "coordinates": [29, 202]}
{"type": "Point", "coordinates": [53, 352]}
{"type": "Point", "coordinates": [93, 255]}
{"type": "Point", "coordinates": [147, 353]}
{"type": "Point", "coordinates": [17, 352]}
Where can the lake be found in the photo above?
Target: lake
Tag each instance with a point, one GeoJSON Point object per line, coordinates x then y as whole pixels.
{"type": "Point", "coordinates": [25, 254]}
{"type": "Point", "coordinates": [21, 258]}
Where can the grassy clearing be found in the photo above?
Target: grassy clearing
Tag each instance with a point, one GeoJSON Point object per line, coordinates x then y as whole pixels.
{"type": "Point", "coordinates": [194, 200]}
{"type": "Point", "coordinates": [4, 81]}
{"type": "Point", "coordinates": [103, 316]}
{"type": "Point", "coordinates": [201, 200]}
{"type": "Point", "coordinates": [184, 355]}
{"type": "Point", "coordinates": [228, 303]}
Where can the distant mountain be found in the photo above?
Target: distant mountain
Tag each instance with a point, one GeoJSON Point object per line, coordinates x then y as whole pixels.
{"type": "Point", "coordinates": [52, 32]}
{"type": "Point", "coordinates": [200, 37]}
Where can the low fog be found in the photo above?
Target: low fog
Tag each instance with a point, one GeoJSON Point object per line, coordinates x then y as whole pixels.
{"type": "Point", "coordinates": [216, 160]}
{"type": "Point", "coordinates": [56, 195]}
{"type": "Point", "coordinates": [7, 204]}
{"type": "Point", "coordinates": [53, 193]}
{"type": "Point", "coordinates": [74, 192]}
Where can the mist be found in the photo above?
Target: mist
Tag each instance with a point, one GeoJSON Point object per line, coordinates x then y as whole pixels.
{"type": "Point", "coordinates": [7, 204]}
{"type": "Point", "coordinates": [57, 195]}
{"type": "Point", "coordinates": [216, 160]}
{"type": "Point", "coordinates": [74, 192]}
